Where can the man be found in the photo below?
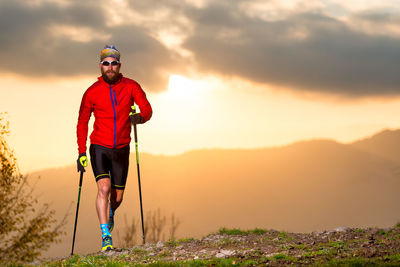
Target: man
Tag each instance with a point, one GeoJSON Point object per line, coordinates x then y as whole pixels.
{"type": "Point", "coordinates": [110, 99]}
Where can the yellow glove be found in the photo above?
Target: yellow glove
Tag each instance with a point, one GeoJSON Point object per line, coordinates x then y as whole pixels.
{"type": "Point", "coordinates": [82, 162]}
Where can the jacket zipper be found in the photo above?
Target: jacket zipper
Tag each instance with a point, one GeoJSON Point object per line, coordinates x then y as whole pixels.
{"type": "Point", "coordinates": [112, 92]}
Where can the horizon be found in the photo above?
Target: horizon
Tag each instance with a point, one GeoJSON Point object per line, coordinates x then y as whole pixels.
{"type": "Point", "coordinates": [237, 148]}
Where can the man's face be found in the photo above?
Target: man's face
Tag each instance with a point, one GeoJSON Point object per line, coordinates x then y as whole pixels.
{"type": "Point", "coordinates": [110, 73]}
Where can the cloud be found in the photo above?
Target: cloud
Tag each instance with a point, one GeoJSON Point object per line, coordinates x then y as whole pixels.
{"type": "Point", "coordinates": [321, 46]}
{"type": "Point", "coordinates": [46, 38]}
{"type": "Point", "coordinates": [307, 51]}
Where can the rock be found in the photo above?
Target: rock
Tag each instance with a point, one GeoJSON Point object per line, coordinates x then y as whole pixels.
{"type": "Point", "coordinates": [147, 247]}
{"type": "Point", "coordinates": [111, 252]}
{"type": "Point", "coordinates": [220, 255]}
{"type": "Point", "coordinates": [228, 252]}
{"type": "Point", "coordinates": [341, 229]}
{"type": "Point", "coordinates": [223, 253]}
{"type": "Point", "coordinates": [271, 254]}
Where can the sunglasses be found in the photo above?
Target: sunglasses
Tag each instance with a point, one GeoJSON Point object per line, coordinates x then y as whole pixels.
{"type": "Point", "coordinates": [107, 63]}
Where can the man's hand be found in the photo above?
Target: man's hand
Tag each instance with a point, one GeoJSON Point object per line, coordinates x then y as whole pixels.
{"type": "Point", "coordinates": [136, 118]}
{"type": "Point", "coordinates": [81, 162]}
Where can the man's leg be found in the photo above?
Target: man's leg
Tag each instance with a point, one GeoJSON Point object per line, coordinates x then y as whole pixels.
{"type": "Point", "coordinates": [115, 200]}
{"type": "Point", "coordinates": [103, 192]}
{"type": "Point", "coordinates": [102, 200]}
{"type": "Point", "coordinates": [100, 157]}
{"type": "Point", "coordinates": [119, 174]}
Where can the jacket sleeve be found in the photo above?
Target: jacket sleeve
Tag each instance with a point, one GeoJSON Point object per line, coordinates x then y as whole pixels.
{"type": "Point", "coordinates": [139, 97]}
{"type": "Point", "coordinates": [85, 112]}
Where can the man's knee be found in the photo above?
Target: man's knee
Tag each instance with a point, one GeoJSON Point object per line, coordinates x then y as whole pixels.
{"type": "Point", "coordinates": [104, 189]}
{"type": "Point", "coordinates": [116, 197]}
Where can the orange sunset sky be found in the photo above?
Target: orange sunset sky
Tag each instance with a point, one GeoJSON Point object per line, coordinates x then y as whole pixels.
{"type": "Point", "coordinates": [219, 74]}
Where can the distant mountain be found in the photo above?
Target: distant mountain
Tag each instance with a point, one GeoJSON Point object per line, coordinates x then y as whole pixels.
{"type": "Point", "coordinates": [306, 186]}
{"type": "Point", "coordinates": [385, 144]}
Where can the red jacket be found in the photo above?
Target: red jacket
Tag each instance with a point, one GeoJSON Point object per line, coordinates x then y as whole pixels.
{"type": "Point", "coordinates": [111, 105]}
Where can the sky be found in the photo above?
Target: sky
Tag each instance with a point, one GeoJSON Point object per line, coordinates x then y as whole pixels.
{"type": "Point", "coordinates": [219, 74]}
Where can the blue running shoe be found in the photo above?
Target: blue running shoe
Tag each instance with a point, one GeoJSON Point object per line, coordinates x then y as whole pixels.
{"type": "Point", "coordinates": [107, 243]}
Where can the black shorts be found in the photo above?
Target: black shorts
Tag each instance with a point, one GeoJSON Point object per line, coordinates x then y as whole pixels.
{"type": "Point", "coordinates": [110, 163]}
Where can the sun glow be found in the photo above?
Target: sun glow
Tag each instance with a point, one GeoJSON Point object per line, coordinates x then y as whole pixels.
{"type": "Point", "coordinates": [184, 90]}
{"type": "Point", "coordinates": [186, 100]}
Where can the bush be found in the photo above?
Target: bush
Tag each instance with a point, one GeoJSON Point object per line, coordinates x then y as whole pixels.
{"type": "Point", "coordinates": [24, 232]}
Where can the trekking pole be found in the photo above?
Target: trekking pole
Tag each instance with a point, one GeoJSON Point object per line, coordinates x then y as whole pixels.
{"type": "Point", "coordinates": [138, 171]}
{"type": "Point", "coordinates": [76, 215]}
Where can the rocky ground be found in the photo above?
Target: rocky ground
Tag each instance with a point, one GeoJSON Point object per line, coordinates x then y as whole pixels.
{"type": "Point", "coordinates": [342, 246]}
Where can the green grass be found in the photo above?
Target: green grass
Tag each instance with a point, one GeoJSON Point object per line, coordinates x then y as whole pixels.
{"type": "Point", "coordinates": [249, 263]}
{"type": "Point", "coordinates": [395, 257]}
{"type": "Point", "coordinates": [174, 242]}
{"type": "Point", "coordinates": [234, 231]}
{"type": "Point", "coordinates": [185, 240]}
{"type": "Point", "coordinates": [359, 230]}
{"type": "Point", "coordinates": [284, 237]}
{"type": "Point", "coordinates": [227, 242]}
{"type": "Point", "coordinates": [140, 251]}
{"type": "Point", "coordinates": [237, 231]}
{"type": "Point", "coordinates": [87, 261]}
{"type": "Point", "coordinates": [320, 252]}
{"type": "Point", "coordinates": [337, 244]}
{"type": "Point", "coordinates": [355, 262]}
{"type": "Point", "coordinates": [98, 261]}
{"type": "Point", "coordinates": [301, 246]}
{"type": "Point", "coordinates": [280, 256]}
{"type": "Point", "coordinates": [193, 263]}
{"type": "Point", "coordinates": [171, 243]}
{"type": "Point", "coordinates": [382, 232]}
{"type": "Point", "coordinates": [164, 254]}
{"type": "Point", "coordinates": [257, 231]}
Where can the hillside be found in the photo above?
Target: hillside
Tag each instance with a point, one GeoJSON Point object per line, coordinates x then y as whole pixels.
{"type": "Point", "coordinates": [303, 187]}
{"type": "Point", "coordinates": [342, 246]}
{"type": "Point", "coordinates": [385, 144]}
